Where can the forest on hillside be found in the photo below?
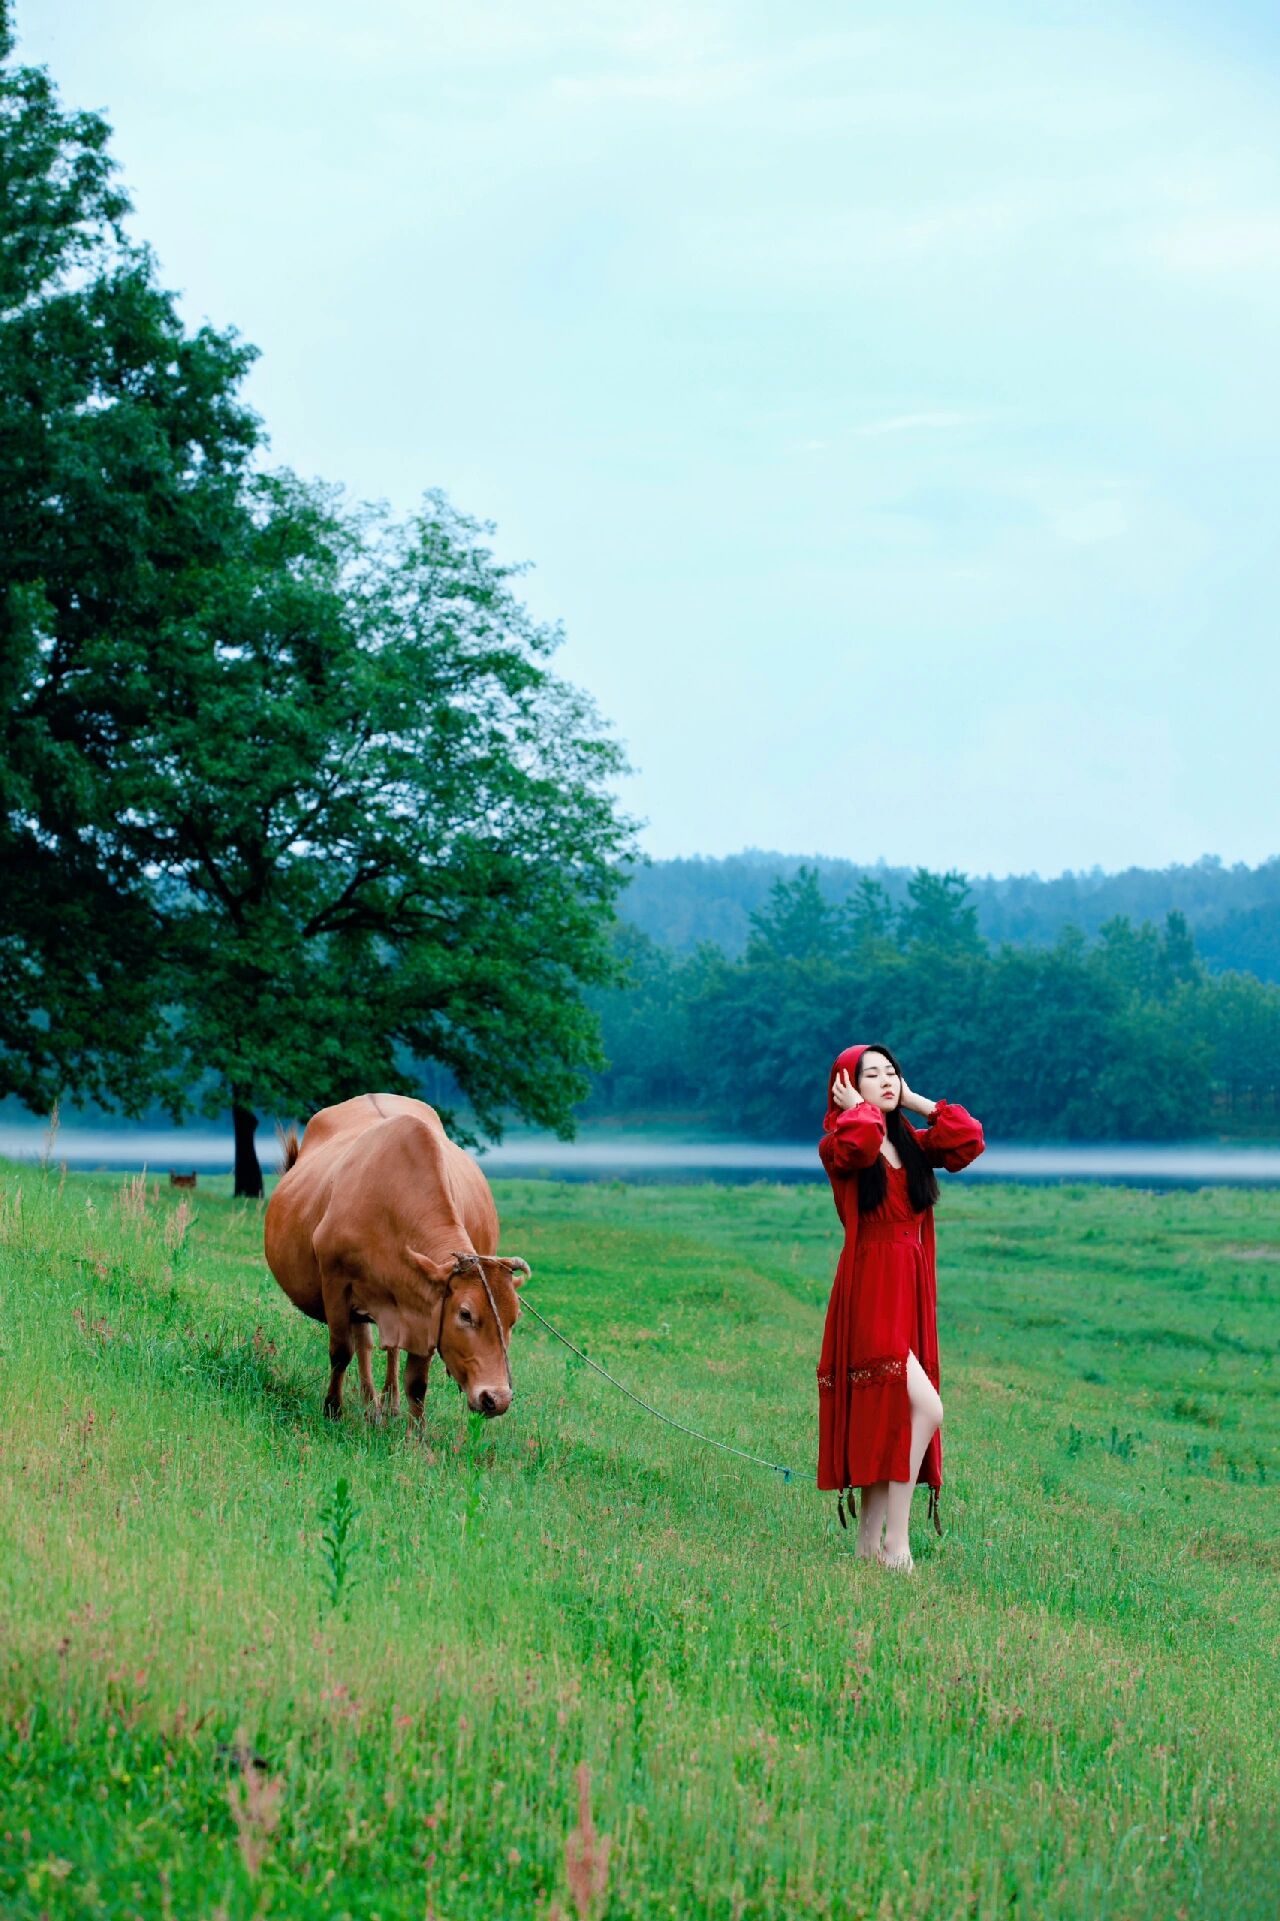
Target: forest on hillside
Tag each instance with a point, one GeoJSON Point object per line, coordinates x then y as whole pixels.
{"type": "Point", "coordinates": [1233, 911]}
{"type": "Point", "coordinates": [1128, 1035]}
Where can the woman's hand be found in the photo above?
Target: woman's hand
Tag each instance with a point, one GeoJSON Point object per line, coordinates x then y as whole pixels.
{"type": "Point", "coordinates": [916, 1103]}
{"type": "Point", "coordinates": [843, 1091]}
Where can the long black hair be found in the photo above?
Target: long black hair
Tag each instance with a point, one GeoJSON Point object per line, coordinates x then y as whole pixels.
{"type": "Point", "coordinates": [922, 1182]}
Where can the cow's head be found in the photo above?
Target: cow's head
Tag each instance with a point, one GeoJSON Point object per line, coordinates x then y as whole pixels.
{"type": "Point", "coordinates": [472, 1348]}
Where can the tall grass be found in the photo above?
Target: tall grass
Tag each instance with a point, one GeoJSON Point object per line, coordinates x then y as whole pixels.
{"type": "Point", "coordinates": [575, 1664]}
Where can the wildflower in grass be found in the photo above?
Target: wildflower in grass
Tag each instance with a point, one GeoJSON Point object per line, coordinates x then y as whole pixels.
{"type": "Point", "coordinates": [132, 1199]}
{"type": "Point", "coordinates": [50, 1139]}
{"type": "Point", "coordinates": [586, 1857]}
{"type": "Point", "coordinates": [177, 1230]}
{"type": "Point", "coordinates": [254, 1798]}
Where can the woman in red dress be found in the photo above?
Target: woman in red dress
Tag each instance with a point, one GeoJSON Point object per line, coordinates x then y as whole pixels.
{"type": "Point", "coordinates": [879, 1411]}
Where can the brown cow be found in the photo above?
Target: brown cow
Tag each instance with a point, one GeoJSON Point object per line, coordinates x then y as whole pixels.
{"type": "Point", "coordinates": [380, 1220]}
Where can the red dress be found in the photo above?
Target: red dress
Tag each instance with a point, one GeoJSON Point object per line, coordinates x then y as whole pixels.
{"type": "Point", "coordinates": [884, 1301]}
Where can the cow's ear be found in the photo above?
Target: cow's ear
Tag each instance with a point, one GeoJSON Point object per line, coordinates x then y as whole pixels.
{"type": "Point", "coordinates": [518, 1270]}
{"type": "Point", "coordinates": [437, 1271]}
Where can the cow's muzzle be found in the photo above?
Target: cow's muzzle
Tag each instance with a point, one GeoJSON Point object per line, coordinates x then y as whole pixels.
{"type": "Point", "coordinates": [491, 1401]}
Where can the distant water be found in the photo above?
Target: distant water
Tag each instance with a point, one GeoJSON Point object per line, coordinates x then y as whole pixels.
{"type": "Point", "coordinates": [646, 1158]}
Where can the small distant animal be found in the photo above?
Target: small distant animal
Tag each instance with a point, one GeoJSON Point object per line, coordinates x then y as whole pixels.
{"type": "Point", "coordinates": [181, 1180]}
{"type": "Point", "coordinates": [379, 1220]}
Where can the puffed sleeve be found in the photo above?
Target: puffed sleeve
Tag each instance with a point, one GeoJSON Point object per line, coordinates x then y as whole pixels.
{"type": "Point", "coordinates": [855, 1140]}
{"type": "Point", "coordinates": [953, 1137]}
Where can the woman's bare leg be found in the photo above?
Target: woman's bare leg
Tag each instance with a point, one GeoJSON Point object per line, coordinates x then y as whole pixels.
{"type": "Point", "coordinates": [926, 1419]}
{"type": "Point", "coordinates": [871, 1521]}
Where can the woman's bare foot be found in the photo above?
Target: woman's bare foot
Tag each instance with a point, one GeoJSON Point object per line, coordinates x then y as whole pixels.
{"type": "Point", "coordinates": [901, 1563]}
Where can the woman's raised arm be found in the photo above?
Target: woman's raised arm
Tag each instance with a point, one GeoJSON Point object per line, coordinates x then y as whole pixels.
{"type": "Point", "coordinates": [953, 1137]}
{"type": "Point", "coordinates": [855, 1140]}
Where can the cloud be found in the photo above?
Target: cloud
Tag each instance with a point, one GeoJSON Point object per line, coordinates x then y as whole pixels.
{"type": "Point", "coordinates": [686, 85]}
{"type": "Point", "coordinates": [1091, 522]}
{"type": "Point", "coordinates": [1221, 244]}
{"type": "Point", "coordinates": [917, 423]}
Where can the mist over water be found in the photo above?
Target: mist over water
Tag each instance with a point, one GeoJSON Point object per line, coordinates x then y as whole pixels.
{"type": "Point", "coordinates": [619, 1156]}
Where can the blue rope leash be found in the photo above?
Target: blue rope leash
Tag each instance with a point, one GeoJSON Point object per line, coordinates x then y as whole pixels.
{"type": "Point", "coordinates": [724, 1446]}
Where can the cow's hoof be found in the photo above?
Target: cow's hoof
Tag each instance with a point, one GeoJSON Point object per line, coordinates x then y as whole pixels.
{"type": "Point", "coordinates": [333, 1410]}
{"type": "Point", "coordinates": [374, 1414]}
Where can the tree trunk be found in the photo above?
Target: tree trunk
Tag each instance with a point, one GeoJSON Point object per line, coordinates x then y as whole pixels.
{"type": "Point", "coordinates": [248, 1185]}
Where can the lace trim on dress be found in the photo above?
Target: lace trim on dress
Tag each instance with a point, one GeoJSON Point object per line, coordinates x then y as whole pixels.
{"type": "Point", "coordinates": [892, 1368]}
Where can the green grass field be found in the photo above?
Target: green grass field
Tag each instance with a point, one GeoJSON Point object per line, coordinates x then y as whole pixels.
{"type": "Point", "coordinates": [206, 1709]}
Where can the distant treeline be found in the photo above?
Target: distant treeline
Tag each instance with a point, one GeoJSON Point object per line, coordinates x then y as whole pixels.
{"type": "Point", "coordinates": [1125, 1036]}
{"type": "Point", "coordinates": [1233, 912]}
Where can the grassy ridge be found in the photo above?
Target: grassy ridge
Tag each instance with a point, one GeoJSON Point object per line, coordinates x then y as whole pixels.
{"type": "Point", "coordinates": [1069, 1711]}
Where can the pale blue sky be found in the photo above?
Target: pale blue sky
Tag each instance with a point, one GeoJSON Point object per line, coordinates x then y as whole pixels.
{"type": "Point", "coordinates": [885, 394]}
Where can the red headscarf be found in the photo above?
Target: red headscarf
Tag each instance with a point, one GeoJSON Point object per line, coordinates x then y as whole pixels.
{"type": "Point", "coordinates": [849, 1059]}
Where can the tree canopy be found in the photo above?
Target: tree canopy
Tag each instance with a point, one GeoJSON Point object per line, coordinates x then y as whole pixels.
{"type": "Point", "coordinates": [123, 449]}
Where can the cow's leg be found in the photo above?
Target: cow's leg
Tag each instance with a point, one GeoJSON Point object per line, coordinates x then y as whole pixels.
{"type": "Point", "coordinates": [364, 1362]}
{"type": "Point", "coordinates": [391, 1387]}
{"type": "Point", "coordinates": [336, 1288]}
{"type": "Point", "coordinates": [340, 1352]}
{"type": "Point", "coordinates": [415, 1386]}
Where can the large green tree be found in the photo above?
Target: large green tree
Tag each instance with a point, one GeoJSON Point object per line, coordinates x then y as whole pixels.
{"type": "Point", "coordinates": [381, 828]}
{"type": "Point", "coordinates": [123, 444]}
{"type": "Point", "coordinates": [292, 802]}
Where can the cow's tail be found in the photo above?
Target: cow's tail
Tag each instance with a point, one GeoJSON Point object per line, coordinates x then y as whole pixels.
{"type": "Point", "coordinates": [290, 1146]}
